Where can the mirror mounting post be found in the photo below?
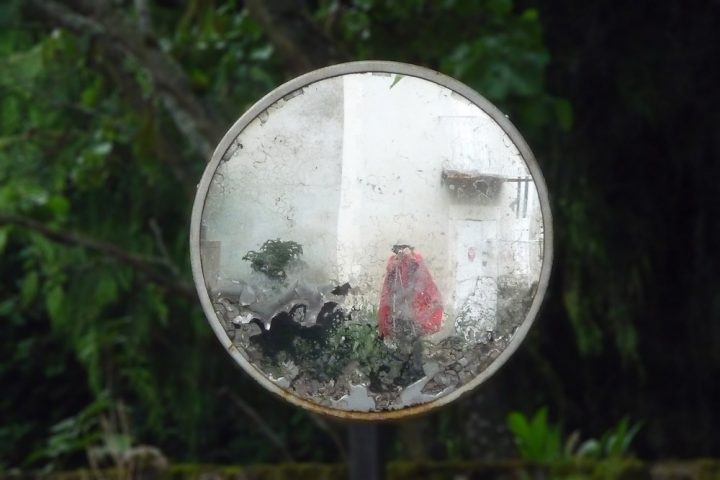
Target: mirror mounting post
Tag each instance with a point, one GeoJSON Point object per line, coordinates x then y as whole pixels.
{"type": "Point", "coordinates": [365, 461]}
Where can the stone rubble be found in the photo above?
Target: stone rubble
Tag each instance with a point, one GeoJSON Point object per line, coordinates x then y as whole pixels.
{"type": "Point", "coordinates": [402, 375]}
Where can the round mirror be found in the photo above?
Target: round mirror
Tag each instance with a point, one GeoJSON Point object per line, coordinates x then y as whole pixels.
{"type": "Point", "coordinates": [371, 240]}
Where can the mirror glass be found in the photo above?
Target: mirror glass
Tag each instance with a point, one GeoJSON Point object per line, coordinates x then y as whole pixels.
{"type": "Point", "coordinates": [371, 241]}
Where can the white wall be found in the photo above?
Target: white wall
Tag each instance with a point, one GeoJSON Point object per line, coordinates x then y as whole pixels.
{"type": "Point", "coordinates": [284, 183]}
{"type": "Point", "coordinates": [353, 166]}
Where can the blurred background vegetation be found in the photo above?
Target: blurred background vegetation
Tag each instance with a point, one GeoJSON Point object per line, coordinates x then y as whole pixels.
{"type": "Point", "coordinates": [110, 108]}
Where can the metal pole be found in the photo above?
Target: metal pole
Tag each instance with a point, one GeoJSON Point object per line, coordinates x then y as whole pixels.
{"type": "Point", "coordinates": [365, 457]}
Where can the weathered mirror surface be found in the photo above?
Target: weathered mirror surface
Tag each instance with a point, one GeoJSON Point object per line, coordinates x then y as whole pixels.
{"type": "Point", "coordinates": [371, 241]}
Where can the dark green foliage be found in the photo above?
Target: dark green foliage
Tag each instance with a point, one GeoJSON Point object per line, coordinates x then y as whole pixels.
{"type": "Point", "coordinates": [351, 341]}
{"type": "Point", "coordinates": [614, 443]}
{"type": "Point", "coordinates": [87, 151]}
{"type": "Point", "coordinates": [357, 344]}
{"type": "Point", "coordinates": [620, 105]}
{"type": "Point", "coordinates": [539, 440]}
{"type": "Point", "coordinates": [337, 344]}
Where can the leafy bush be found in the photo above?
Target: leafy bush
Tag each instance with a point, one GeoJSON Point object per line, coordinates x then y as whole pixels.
{"type": "Point", "coordinates": [539, 440]}
{"type": "Point", "coordinates": [274, 257]}
{"type": "Point", "coordinates": [536, 438]}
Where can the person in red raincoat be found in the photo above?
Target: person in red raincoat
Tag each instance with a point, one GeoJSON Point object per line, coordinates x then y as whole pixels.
{"type": "Point", "coordinates": [410, 302]}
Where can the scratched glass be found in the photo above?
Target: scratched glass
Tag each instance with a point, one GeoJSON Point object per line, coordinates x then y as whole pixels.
{"type": "Point", "coordinates": [371, 243]}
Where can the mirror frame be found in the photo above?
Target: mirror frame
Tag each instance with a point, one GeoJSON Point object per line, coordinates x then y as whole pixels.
{"type": "Point", "coordinates": [359, 68]}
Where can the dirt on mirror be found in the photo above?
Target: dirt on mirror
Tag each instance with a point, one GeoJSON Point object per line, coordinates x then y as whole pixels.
{"type": "Point", "coordinates": [371, 241]}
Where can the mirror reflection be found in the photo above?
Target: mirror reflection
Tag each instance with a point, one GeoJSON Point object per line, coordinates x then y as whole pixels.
{"type": "Point", "coordinates": [371, 241]}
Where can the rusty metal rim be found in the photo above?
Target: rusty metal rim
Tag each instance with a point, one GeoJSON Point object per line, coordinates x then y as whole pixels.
{"type": "Point", "coordinates": [336, 71]}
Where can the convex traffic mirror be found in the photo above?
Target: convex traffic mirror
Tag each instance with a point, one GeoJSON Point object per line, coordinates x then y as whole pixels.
{"type": "Point", "coordinates": [371, 240]}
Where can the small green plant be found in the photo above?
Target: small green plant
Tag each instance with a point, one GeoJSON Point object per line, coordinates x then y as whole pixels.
{"type": "Point", "coordinates": [73, 435]}
{"type": "Point", "coordinates": [538, 440]}
{"type": "Point", "coordinates": [102, 431]}
{"type": "Point", "coordinates": [275, 257]}
{"type": "Point", "coordinates": [357, 344]}
{"type": "Point", "coordinates": [349, 342]}
{"type": "Point", "coordinates": [615, 443]}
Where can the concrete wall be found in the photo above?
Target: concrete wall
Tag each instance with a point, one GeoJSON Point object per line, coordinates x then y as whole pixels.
{"type": "Point", "coordinates": [353, 166]}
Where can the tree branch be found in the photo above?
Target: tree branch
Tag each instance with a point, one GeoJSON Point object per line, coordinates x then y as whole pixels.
{"type": "Point", "coordinates": [298, 40]}
{"type": "Point", "coordinates": [146, 266]}
{"type": "Point", "coordinates": [160, 242]}
{"type": "Point", "coordinates": [327, 428]}
{"type": "Point", "coordinates": [144, 18]}
{"type": "Point", "coordinates": [116, 34]}
{"type": "Point", "coordinates": [259, 422]}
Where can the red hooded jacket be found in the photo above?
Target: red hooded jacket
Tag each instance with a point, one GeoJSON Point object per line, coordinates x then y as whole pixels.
{"type": "Point", "coordinates": [409, 293]}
